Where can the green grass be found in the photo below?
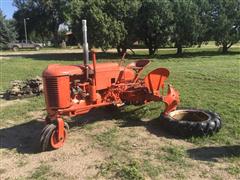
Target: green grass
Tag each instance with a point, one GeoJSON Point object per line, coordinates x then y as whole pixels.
{"type": "Point", "coordinates": [107, 138]}
{"type": "Point", "coordinates": [204, 77]}
{"type": "Point", "coordinates": [173, 154]}
{"type": "Point", "coordinates": [234, 170]}
{"type": "Point", "coordinates": [41, 172]}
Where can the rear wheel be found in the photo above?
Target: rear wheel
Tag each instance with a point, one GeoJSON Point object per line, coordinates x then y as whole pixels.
{"type": "Point", "coordinates": [191, 122]}
{"type": "Point", "coordinates": [49, 137]}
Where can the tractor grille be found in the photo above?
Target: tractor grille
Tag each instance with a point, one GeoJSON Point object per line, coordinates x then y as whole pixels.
{"type": "Point", "coordinates": [51, 85]}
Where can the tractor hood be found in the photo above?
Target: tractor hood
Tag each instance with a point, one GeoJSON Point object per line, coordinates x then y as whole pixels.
{"type": "Point", "coordinates": [62, 70]}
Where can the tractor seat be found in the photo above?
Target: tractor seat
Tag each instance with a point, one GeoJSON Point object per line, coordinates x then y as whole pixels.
{"type": "Point", "coordinates": [138, 65]}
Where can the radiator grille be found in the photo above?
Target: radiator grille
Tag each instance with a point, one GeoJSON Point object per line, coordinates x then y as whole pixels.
{"type": "Point", "coordinates": [52, 92]}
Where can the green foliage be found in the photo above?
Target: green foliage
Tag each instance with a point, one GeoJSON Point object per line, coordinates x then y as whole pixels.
{"type": "Point", "coordinates": [7, 31]}
{"type": "Point", "coordinates": [45, 16]}
{"type": "Point", "coordinates": [234, 170]}
{"type": "Point", "coordinates": [174, 154]}
{"type": "Point", "coordinates": [126, 12]}
{"type": "Point", "coordinates": [41, 172]}
{"type": "Point", "coordinates": [104, 31]}
{"type": "Point", "coordinates": [131, 171]}
{"type": "Point", "coordinates": [107, 138]}
{"type": "Point", "coordinates": [126, 171]}
{"type": "Point", "coordinates": [225, 22]}
{"type": "Point", "coordinates": [187, 23]}
{"type": "Point", "coordinates": [119, 24]}
{"type": "Point", "coordinates": [154, 23]}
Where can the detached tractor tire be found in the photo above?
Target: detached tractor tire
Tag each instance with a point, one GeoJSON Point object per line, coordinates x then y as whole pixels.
{"type": "Point", "coordinates": [48, 137]}
{"type": "Point", "coordinates": [191, 122]}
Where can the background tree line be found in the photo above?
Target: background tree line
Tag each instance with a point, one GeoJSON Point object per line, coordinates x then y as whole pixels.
{"type": "Point", "coordinates": [120, 23]}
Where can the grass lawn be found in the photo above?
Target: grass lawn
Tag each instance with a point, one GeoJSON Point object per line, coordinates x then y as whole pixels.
{"type": "Point", "coordinates": [205, 78]}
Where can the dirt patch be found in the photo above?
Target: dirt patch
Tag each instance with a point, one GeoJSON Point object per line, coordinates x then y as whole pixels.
{"type": "Point", "coordinates": [76, 160]}
{"type": "Point", "coordinates": [38, 115]}
{"type": "Point", "coordinates": [4, 103]}
{"type": "Point", "coordinates": [105, 143]}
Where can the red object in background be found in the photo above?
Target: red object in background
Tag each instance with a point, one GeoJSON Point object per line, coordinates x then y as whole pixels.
{"type": "Point", "coordinates": [68, 92]}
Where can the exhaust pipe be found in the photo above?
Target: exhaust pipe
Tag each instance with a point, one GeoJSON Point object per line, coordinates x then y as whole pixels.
{"type": "Point", "coordinates": [85, 48]}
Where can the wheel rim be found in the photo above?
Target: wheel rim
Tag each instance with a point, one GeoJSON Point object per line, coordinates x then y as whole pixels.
{"type": "Point", "coordinates": [55, 143]}
{"type": "Point", "coordinates": [189, 115]}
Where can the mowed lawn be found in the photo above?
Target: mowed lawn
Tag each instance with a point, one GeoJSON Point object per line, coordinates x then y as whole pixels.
{"type": "Point", "coordinates": [205, 78]}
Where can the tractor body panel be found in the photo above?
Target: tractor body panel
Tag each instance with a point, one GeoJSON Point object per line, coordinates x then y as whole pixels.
{"type": "Point", "coordinates": [106, 74]}
{"type": "Point", "coordinates": [57, 91]}
{"type": "Point", "coordinates": [55, 70]}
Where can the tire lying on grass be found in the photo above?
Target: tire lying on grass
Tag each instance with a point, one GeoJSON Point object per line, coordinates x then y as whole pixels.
{"type": "Point", "coordinates": [191, 122]}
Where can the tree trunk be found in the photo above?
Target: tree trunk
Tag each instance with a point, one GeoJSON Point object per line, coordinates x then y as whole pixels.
{"type": "Point", "coordinates": [118, 50]}
{"type": "Point", "coordinates": [121, 50]}
{"type": "Point", "coordinates": [225, 49]}
{"type": "Point", "coordinates": [151, 48]}
{"type": "Point", "coordinates": [179, 49]}
{"type": "Point", "coordinates": [151, 51]}
{"type": "Point", "coordinates": [55, 40]}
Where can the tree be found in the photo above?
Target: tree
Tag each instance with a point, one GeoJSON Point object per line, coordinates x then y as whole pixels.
{"type": "Point", "coordinates": [7, 31]}
{"type": "Point", "coordinates": [104, 31]}
{"type": "Point", "coordinates": [45, 16]}
{"type": "Point", "coordinates": [187, 24]}
{"type": "Point", "coordinates": [204, 11]}
{"type": "Point", "coordinates": [125, 11]}
{"type": "Point", "coordinates": [154, 23]}
{"type": "Point", "coordinates": [225, 22]}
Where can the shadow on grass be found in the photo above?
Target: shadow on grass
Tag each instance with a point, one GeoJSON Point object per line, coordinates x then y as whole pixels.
{"type": "Point", "coordinates": [23, 137]}
{"type": "Point", "coordinates": [154, 126]}
{"type": "Point", "coordinates": [213, 153]}
{"type": "Point", "coordinates": [115, 56]}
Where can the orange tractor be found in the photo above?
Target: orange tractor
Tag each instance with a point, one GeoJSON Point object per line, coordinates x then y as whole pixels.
{"type": "Point", "coordinates": [72, 90]}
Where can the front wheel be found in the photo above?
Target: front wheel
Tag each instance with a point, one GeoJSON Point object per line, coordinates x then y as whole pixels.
{"type": "Point", "coordinates": [49, 137]}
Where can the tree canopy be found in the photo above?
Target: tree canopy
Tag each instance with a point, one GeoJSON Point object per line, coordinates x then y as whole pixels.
{"type": "Point", "coordinates": [44, 16]}
{"type": "Point", "coordinates": [187, 24]}
{"type": "Point", "coordinates": [7, 31]}
{"type": "Point", "coordinates": [120, 23]}
{"type": "Point", "coordinates": [155, 20]}
{"type": "Point", "coordinates": [225, 22]}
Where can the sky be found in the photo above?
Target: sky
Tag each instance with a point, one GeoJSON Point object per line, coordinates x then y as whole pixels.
{"type": "Point", "coordinates": [7, 8]}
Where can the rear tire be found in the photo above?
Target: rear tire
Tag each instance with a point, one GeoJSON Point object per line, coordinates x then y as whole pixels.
{"type": "Point", "coordinates": [192, 127]}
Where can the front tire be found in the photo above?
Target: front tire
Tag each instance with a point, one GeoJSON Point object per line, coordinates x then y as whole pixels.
{"type": "Point", "coordinates": [48, 137]}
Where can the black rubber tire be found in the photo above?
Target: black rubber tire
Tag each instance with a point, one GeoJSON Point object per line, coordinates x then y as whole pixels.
{"type": "Point", "coordinates": [45, 136]}
{"type": "Point", "coordinates": [192, 128]}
